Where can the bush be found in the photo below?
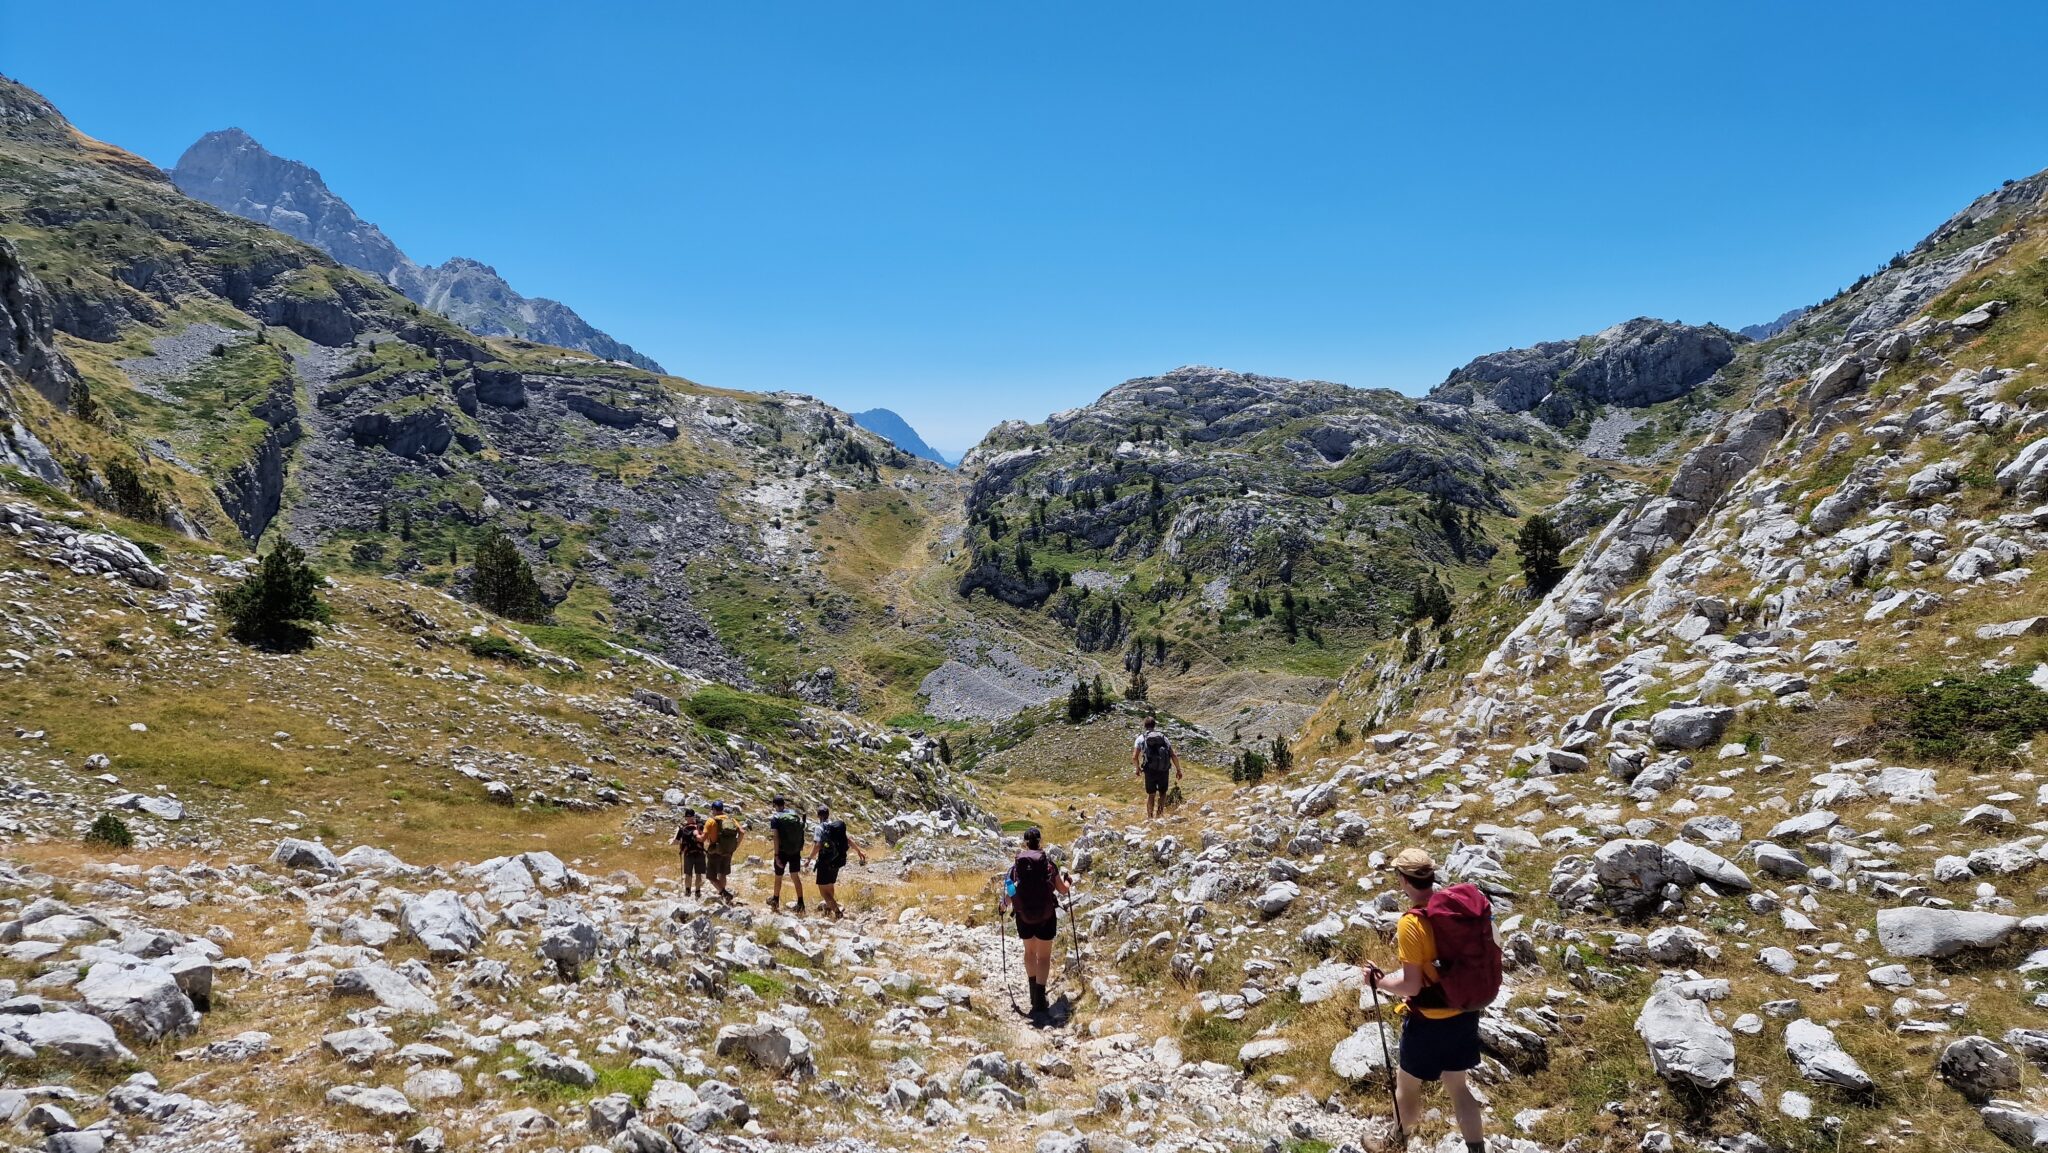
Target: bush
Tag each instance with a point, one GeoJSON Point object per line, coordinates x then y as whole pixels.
{"type": "Point", "coordinates": [1979, 721]}
{"type": "Point", "coordinates": [502, 581]}
{"type": "Point", "coordinates": [733, 711]}
{"type": "Point", "coordinates": [279, 603]}
{"type": "Point", "coordinates": [491, 646]}
{"type": "Point", "coordinates": [110, 831]}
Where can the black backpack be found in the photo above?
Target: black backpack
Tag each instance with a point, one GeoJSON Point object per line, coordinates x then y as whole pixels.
{"type": "Point", "coordinates": [789, 833]}
{"type": "Point", "coordinates": [1035, 900]}
{"type": "Point", "coordinates": [833, 845]}
{"type": "Point", "coordinates": [1158, 752]}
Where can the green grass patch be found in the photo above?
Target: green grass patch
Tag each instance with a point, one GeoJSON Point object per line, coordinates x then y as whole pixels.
{"type": "Point", "coordinates": [734, 711]}
{"type": "Point", "coordinates": [761, 983]}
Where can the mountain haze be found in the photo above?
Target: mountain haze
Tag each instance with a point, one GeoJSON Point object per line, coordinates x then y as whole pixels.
{"type": "Point", "coordinates": [231, 171]}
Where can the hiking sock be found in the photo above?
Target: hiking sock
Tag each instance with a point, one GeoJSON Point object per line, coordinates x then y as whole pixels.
{"type": "Point", "coordinates": [1478, 1146]}
{"type": "Point", "coordinates": [799, 904]}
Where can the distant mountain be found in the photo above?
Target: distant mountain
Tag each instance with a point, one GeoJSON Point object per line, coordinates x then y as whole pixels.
{"type": "Point", "coordinates": [1771, 328]}
{"type": "Point", "coordinates": [898, 432]}
{"type": "Point", "coordinates": [231, 171]}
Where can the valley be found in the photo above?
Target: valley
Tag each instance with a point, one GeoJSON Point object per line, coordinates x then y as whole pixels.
{"type": "Point", "coordinates": [1747, 765]}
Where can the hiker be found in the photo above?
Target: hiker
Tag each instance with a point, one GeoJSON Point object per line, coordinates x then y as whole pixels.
{"type": "Point", "coordinates": [721, 837]}
{"type": "Point", "coordinates": [689, 839]}
{"type": "Point", "coordinates": [1450, 972]}
{"type": "Point", "coordinates": [1032, 893]}
{"type": "Point", "coordinates": [1152, 757]}
{"type": "Point", "coordinates": [828, 852]}
{"type": "Point", "coordinates": [788, 826]}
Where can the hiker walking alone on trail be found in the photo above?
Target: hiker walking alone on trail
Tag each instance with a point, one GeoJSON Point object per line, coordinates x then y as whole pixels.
{"type": "Point", "coordinates": [1032, 893]}
{"type": "Point", "coordinates": [788, 826]}
{"type": "Point", "coordinates": [721, 836]}
{"type": "Point", "coordinates": [1152, 758]}
{"type": "Point", "coordinates": [829, 852]}
{"type": "Point", "coordinates": [690, 839]}
{"type": "Point", "coordinates": [1450, 972]}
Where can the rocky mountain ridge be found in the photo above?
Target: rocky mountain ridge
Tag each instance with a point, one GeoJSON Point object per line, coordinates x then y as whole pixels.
{"type": "Point", "coordinates": [219, 378]}
{"type": "Point", "coordinates": [231, 171]}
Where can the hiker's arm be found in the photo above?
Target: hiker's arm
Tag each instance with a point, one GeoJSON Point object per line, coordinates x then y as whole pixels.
{"type": "Point", "coordinates": [1405, 982]}
{"type": "Point", "coordinates": [859, 849]}
{"type": "Point", "coordinates": [1137, 758]}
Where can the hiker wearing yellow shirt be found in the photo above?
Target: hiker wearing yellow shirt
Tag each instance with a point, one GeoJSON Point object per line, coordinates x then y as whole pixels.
{"type": "Point", "coordinates": [1440, 1022]}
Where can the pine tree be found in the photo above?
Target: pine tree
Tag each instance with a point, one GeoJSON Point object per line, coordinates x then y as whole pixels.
{"type": "Point", "coordinates": [1099, 696]}
{"type": "Point", "coordinates": [1283, 757]}
{"type": "Point", "coordinates": [1079, 704]}
{"type": "Point", "coordinates": [945, 750]}
{"type": "Point", "coordinates": [276, 606]}
{"type": "Point", "coordinates": [1137, 689]}
{"type": "Point", "coordinates": [501, 580]}
{"type": "Point", "coordinates": [1541, 546]}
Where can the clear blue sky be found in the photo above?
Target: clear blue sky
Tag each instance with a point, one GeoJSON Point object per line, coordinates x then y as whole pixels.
{"type": "Point", "coordinates": [973, 211]}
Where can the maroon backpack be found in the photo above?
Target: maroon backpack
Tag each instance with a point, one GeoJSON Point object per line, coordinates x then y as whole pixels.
{"type": "Point", "coordinates": [1467, 959]}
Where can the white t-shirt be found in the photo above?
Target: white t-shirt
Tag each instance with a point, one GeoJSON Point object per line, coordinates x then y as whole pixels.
{"type": "Point", "coordinates": [1138, 745]}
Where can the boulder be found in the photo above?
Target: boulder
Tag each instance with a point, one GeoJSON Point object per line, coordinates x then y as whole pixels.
{"type": "Point", "coordinates": [1709, 866]}
{"type": "Point", "coordinates": [388, 986]}
{"type": "Point", "coordinates": [563, 1070]}
{"type": "Point", "coordinates": [1977, 1068]}
{"type": "Point", "coordinates": [1820, 1058]}
{"type": "Point", "coordinates": [78, 1038]}
{"type": "Point", "coordinates": [2016, 1126]}
{"type": "Point", "coordinates": [293, 853]}
{"type": "Point", "coordinates": [1693, 727]}
{"type": "Point", "coordinates": [1833, 379]}
{"type": "Point", "coordinates": [143, 1001]}
{"type": "Point", "coordinates": [381, 1102]}
{"type": "Point", "coordinates": [358, 1046]}
{"type": "Point", "coordinates": [1361, 1055]}
{"type": "Point", "coordinates": [2026, 475]}
{"type": "Point", "coordinates": [1913, 931]}
{"type": "Point", "coordinates": [779, 1049]}
{"type": "Point", "coordinates": [1276, 898]}
{"type": "Point", "coordinates": [1684, 1042]}
{"type": "Point", "coordinates": [1327, 980]}
{"type": "Point", "coordinates": [441, 924]}
{"type": "Point", "coordinates": [1638, 866]}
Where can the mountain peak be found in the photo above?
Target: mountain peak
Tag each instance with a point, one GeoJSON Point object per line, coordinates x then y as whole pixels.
{"type": "Point", "coordinates": [231, 171]}
{"type": "Point", "coordinates": [897, 431]}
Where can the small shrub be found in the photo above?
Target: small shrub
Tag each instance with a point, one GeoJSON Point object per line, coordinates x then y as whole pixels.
{"type": "Point", "coordinates": [491, 646]}
{"type": "Point", "coordinates": [733, 711]}
{"type": "Point", "coordinates": [1979, 721]}
{"type": "Point", "coordinates": [111, 832]}
{"type": "Point", "coordinates": [279, 603]}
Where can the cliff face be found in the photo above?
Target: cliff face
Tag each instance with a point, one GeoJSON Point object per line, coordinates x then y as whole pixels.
{"type": "Point", "coordinates": [1634, 364]}
{"type": "Point", "coordinates": [232, 172]}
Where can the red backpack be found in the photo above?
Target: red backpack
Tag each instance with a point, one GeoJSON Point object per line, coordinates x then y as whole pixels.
{"type": "Point", "coordinates": [1460, 918]}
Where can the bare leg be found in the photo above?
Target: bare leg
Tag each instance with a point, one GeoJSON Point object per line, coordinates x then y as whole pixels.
{"type": "Point", "coordinates": [1408, 1099]}
{"type": "Point", "coordinates": [1465, 1105]}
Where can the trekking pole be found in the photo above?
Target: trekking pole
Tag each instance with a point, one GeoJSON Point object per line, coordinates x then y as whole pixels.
{"type": "Point", "coordinates": [1393, 1096]}
{"type": "Point", "coordinates": [1074, 941]}
{"type": "Point", "coordinates": [1003, 948]}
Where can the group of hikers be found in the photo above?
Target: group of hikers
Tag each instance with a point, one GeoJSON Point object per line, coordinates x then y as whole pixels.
{"type": "Point", "coordinates": [708, 844]}
{"type": "Point", "coordinates": [1448, 966]}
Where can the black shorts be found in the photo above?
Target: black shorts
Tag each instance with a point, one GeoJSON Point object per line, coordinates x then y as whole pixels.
{"type": "Point", "coordinates": [693, 864]}
{"type": "Point", "coordinates": [717, 865]}
{"type": "Point", "coordinates": [828, 871]}
{"type": "Point", "coordinates": [1432, 1047]}
{"type": "Point", "coordinates": [788, 862]}
{"type": "Point", "coordinates": [1044, 931]}
{"type": "Point", "coordinates": [1156, 782]}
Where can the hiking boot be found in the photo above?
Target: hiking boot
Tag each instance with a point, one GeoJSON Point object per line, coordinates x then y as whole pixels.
{"type": "Point", "coordinates": [1038, 1002]}
{"type": "Point", "coordinates": [775, 904]}
{"type": "Point", "coordinates": [799, 908]}
{"type": "Point", "coordinates": [836, 913]}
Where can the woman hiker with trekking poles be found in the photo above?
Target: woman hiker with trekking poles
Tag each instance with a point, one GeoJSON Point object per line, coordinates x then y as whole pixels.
{"type": "Point", "coordinates": [1031, 892]}
{"type": "Point", "coordinates": [1450, 972]}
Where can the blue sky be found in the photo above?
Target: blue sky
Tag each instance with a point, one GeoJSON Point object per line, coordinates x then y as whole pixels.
{"type": "Point", "coordinates": [969, 212]}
